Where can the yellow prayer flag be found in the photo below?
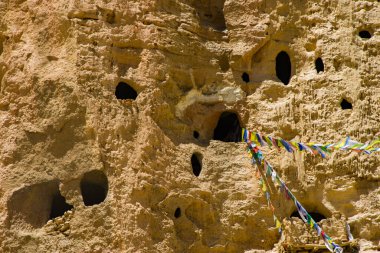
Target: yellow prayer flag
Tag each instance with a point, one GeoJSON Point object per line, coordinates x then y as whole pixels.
{"type": "Point", "coordinates": [312, 223]}
{"type": "Point", "coordinates": [340, 144]}
{"type": "Point", "coordinates": [295, 145]}
{"type": "Point", "coordinates": [372, 144]}
{"type": "Point", "coordinates": [278, 223]}
{"type": "Point", "coordinates": [264, 187]}
{"type": "Point", "coordinates": [254, 138]}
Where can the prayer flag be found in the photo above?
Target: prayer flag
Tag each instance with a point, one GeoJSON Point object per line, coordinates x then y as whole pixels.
{"type": "Point", "coordinates": [253, 138]}
{"type": "Point", "coordinates": [286, 146]}
{"type": "Point", "coordinates": [264, 187]}
{"type": "Point", "coordinates": [302, 212]}
{"type": "Point", "coordinates": [259, 139]}
{"type": "Point", "coordinates": [318, 229]}
{"type": "Point", "coordinates": [312, 222]}
{"type": "Point", "coordinates": [274, 174]}
{"type": "Point", "coordinates": [268, 141]}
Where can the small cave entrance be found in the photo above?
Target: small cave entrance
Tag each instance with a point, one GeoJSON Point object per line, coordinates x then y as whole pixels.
{"type": "Point", "coordinates": [317, 217]}
{"type": "Point", "coordinates": [196, 164]}
{"type": "Point", "coordinates": [94, 187]}
{"type": "Point", "coordinates": [32, 206]}
{"type": "Point", "coordinates": [210, 13]}
{"type": "Point", "coordinates": [283, 67]}
{"type": "Point", "coordinates": [124, 91]}
{"type": "Point", "coordinates": [319, 66]}
{"type": "Point", "coordinates": [228, 128]}
{"type": "Point", "coordinates": [245, 77]}
{"type": "Point", "coordinates": [345, 105]}
{"type": "Point", "coordinates": [177, 213]}
{"type": "Point", "coordinates": [196, 135]}
{"type": "Point", "coordinates": [58, 206]}
{"type": "Point", "coordinates": [364, 34]}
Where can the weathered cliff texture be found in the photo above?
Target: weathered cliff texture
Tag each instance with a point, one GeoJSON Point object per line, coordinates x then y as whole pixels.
{"type": "Point", "coordinates": [83, 170]}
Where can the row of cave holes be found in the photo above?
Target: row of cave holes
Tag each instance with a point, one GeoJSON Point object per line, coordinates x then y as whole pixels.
{"type": "Point", "coordinates": [228, 128]}
{"type": "Point", "coordinates": [94, 189]}
{"type": "Point", "coordinates": [284, 66]}
{"type": "Point", "coordinates": [124, 91]}
{"type": "Point", "coordinates": [283, 72]}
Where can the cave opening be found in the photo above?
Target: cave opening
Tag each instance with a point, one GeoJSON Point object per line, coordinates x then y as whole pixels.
{"type": "Point", "coordinates": [124, 91]}
{"type": "Point", "coordinates": [319, 66]}
{"type": "Point", "coordinates": [177, 213]}
{"type": "Point", "coordinates": [228, 128]}
{"type": "Point", "coordinates": [210, 13]}
{"type": "Point", "coordinates": [196, 134]}
{"type": "Point", "coordinates": [365, 34]}
{"type": "Point", "coordinates": [58, 206]}
{"type": "Point", "coordinates": [94, 187]}
{"type": "Point", "coordinates": [317, 217]}
{"type": "Point", "coordinates": [344, 104]}
{"type": "Point", "coordinates": [245, 77]}
{"type": "Point", "coordinates": [196, 164]}
{"type": "Point", "coordinates": [35, 204]}
{"type": "Point", "coordinates": [283, 67]}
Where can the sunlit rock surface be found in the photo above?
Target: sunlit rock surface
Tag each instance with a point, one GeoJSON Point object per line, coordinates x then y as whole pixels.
{"type": "Point", "coordinates": [86, 166]}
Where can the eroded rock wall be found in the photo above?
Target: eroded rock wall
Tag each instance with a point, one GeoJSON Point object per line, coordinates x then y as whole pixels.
{"type": "Point", "coordinates": [84, 171]}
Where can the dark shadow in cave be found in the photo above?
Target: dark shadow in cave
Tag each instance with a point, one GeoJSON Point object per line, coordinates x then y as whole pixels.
{"type": "Point", "coordinates": [317, 217]}
{"type": "Point", "coordinates": [228, 128]}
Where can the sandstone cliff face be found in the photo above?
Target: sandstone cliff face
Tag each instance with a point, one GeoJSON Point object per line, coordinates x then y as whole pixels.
{"type": "Point", "coordinates": [84, 171]}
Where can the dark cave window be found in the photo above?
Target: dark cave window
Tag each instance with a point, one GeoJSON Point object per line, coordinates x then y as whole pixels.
{"type": "Point", "coordinates": [319, 66]}
{"type": "Point", "coordinates": [245, 77]}
{"type": "Point", "coordinates": [283, 67]}
{"type": "Point", "coordinates": [345, 104]}
{"type": "Point", "coordinates": [365, 34]}
{"type": "Point", "coordinates": [196, 134]}
{"type": "Point", "coordinates": [124, 91]}
{"type": "Point", "coordinates": [58, 206]}
{"type": "Point", "coordinates": [228, 128]}
{"type": "Point", "coordinates": [317, 217]}
{"type": "Point", "coordinates": [94, 187]}
{"type": "Point", "coordinates": [196, 164]}
{"type": "Point", "coordinates": [211, 13]}
{"type": "Point", "coordinates": [177, 213]}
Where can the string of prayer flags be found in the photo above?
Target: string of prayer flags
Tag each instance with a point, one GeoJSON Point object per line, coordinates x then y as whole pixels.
{"type": "Point", "coordinates": [312, 148]}
{"type": "Point", "coordinates": [257, 158]}
{"type": "Point", "coordinates": [305, 216]}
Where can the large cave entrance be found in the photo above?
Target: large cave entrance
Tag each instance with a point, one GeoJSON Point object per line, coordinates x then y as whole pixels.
{"type": "Point", "coordinates": [228, 128]}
